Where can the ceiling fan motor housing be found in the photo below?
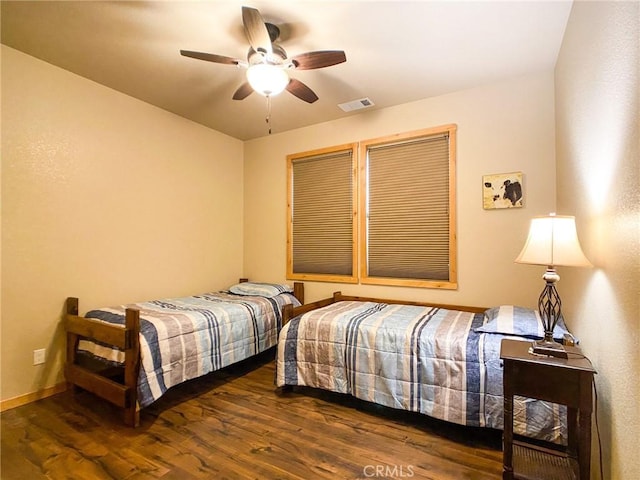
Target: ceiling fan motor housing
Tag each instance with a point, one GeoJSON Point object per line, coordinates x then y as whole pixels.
{"type": "Point", "coordinates": [278, 56]}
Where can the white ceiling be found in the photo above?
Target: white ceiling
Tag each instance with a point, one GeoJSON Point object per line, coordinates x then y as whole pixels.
{"type": "Point", "coordinates": [397, 51]}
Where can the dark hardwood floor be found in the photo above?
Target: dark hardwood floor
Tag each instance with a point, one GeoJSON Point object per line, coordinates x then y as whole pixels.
{"type": "Point", "coordinates": [233, 424]}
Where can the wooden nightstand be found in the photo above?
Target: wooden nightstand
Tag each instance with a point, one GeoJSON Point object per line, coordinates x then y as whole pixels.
{"type": "Point", "coordinates": [557, 380]}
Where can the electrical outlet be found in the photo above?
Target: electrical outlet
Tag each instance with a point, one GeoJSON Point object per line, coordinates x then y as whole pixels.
{"type": "Point", "coordinates": [38, 356]}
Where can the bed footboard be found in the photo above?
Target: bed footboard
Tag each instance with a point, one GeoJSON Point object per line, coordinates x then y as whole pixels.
{"type": "Point", "coordinates": [116, 385]}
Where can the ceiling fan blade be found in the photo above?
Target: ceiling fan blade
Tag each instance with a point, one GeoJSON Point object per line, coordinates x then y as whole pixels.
{"type": "Point", "coordinates": [300, 90]}
{"type": "Point", "coordinates": [256, 31]}
{"type": "Point", "coordinates": [319, 59]}
{"type": "Point", "coordinates": [210, 57]}
{"type": "Point", "coordinates": [243, 91]}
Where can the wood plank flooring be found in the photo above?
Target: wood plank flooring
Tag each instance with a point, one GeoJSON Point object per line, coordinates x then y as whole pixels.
{"type": "Point", "coordinates": [234, 424]}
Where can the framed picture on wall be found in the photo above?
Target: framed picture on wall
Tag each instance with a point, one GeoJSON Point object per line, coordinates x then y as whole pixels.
{"type": "Point", "coordinates": [502, 190]}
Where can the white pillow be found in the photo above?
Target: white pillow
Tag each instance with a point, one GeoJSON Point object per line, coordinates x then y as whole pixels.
{"type": "Point", "coordinates": [260, 289]}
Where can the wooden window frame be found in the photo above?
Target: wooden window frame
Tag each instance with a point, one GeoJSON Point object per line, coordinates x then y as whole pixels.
{"type": "Point", "coordinates": [337, 278]}
{"type": "Point", "coordinates": [359, 204]}
{"type": "Point", "coordinates": [364, 277]}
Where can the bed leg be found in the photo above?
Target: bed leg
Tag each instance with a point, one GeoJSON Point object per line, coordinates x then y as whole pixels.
{"type": "Point", "coordinates": [298, 291]}
{"type": "Point", "coordinates": [287, 313]}
{"type": "Point", "coordinates": [132, 416]}
{"type": "Point", "coordinates": [132, 366]}
{"type": "Point", "coordinates": [71, 308]}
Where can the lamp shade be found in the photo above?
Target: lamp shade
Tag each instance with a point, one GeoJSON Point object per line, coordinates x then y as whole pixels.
{"type": "Point", "coordinates": [553, 240]}
{"type": "Point", "coordinates": [267, 79]}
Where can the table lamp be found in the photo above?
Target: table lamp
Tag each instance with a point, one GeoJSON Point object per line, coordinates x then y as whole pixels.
{"type": "Point", "coordinates": [552, 241]}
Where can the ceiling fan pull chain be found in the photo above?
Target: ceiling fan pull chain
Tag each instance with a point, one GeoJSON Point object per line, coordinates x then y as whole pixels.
{"type": "Point", "coordinates": [268, 119]}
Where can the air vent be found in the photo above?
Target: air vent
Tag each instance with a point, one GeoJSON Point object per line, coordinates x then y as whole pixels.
{"type": "Point", "coordinates": [356, 104]}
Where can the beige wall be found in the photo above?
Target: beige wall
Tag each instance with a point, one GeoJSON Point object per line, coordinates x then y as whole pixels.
{"type": "Point", "coordinates": [597, 110]}
{"type": "Point", "coordinates": [112, 200]}
{"type": "Point", "coordinates": [82, 164]}
{"type": "Point", "coordinates": [502, 128]}
{"type": "Point", "coordinates": [105, 198]}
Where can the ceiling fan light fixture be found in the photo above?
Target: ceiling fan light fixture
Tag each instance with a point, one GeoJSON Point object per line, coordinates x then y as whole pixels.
{"type": "Point", "coordinates": [266, 79]}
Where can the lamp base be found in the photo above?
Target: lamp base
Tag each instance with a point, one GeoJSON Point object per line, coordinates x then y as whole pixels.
{"type": "Point", "coordinates": [550, 349]}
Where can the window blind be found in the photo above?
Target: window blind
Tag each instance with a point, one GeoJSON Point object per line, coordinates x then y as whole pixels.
{"type": "Point", "coordinates": [323, 214]}
{"type": "Point", "coordinates": [408, 209]}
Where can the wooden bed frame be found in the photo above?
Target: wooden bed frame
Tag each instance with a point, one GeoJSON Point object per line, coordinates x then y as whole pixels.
{"type": "Point", "coordinates": [117, 385]}
{"type": "Point", "coordinates": [289, 311]}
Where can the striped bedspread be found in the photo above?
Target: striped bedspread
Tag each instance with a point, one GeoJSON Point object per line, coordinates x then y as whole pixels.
{"type": "Point", "coordinates": [420, 359]}
{"type": "Point", "coordinates": [184, 338]}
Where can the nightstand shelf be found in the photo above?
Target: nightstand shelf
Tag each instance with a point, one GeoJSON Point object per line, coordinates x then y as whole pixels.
{"type": "Point", "coordinates": [532, 462]}
{"type": "Point", "coordinates": [564, 381]}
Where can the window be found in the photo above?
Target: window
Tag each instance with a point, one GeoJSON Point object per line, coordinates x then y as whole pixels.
{"type": "Point", "coordinates": [385, 216]}
{"type": "Point", "coordinates": [407, 232]}
{"type": "Point", "coordinates": [322, 229]}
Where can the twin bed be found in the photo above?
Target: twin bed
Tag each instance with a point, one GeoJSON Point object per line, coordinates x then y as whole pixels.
{"type": "Point", "coordinates": [439, 360]}
{"type": "Point", "coordinates": [132, 354]}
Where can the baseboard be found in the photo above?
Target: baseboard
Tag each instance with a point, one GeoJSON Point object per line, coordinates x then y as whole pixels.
{"type": "Point", "coordinates": [32, 397]}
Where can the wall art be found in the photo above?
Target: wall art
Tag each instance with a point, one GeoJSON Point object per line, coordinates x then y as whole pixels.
{"type": "Point", "coordinates": [502, 190]}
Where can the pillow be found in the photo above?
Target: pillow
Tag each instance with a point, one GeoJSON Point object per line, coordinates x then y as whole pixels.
{"type": "Point", "coordinates": [260, 289]}
{"type": "Point", "coordinates": [519, 321]}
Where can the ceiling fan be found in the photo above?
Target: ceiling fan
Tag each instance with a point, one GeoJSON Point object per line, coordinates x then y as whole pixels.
{"type": "Point", "coordinates": [267, 63]}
